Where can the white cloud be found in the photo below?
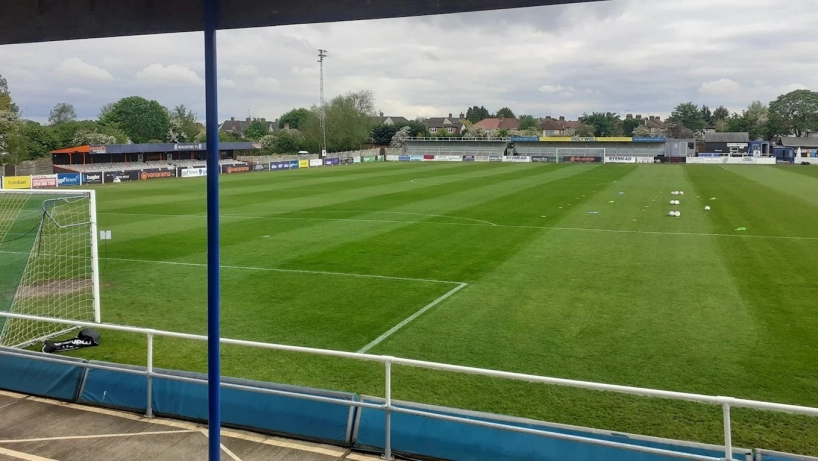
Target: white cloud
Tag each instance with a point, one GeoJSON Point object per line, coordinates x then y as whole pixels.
{"type": "Point", "coordinates": [170, 75]}
{"type": "Point", "coordinates": [72, 90]}
{"type": "Point", "coordinates": [245, 70]}
{"type": "Point", "coordinates": [627, 56]}
{"type": "Point", "coordinates": [77, 69]}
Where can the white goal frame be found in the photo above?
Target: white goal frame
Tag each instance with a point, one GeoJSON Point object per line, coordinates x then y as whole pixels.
{"type": "Point", "coordinates": [580, 151]}
{"type": "Point", "coordinates": [92, 213]}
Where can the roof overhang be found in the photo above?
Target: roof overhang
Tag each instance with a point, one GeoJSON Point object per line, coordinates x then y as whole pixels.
{"type": "Point", "coordinates": [52, 20]}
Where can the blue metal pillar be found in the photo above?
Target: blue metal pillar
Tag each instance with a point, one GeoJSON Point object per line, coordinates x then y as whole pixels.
{"type": "Point", "coordinates": [213, 170]}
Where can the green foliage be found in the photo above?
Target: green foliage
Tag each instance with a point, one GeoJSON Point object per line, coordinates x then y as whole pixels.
{"type": "Point", "coordinates": [721, 113]}
{"type": "Point", "coordinates": [502, 133]}
{"type": "Point", "coordinates": [284, 142]}
{"type": "Point", "coordinates": [754, 120]}
{"type": "Point", "coordinates": [605, 123]}
{"type": "Point", "coordinates": [417, 129]}
{"type": "Point", "coordinates": [65, 133]}
{"type": "Point", "coordinates": [6, 103]}
{"type": "Point", "coordinates": [140, 119]}
{"type": "Point", "coordinates": [40, 140]}
{"type": "Point", "coordinates": [474, 114]}
{"type": "Point", "coordinates": [295, 118]}
{"type": "Point", "coordinates": [641, 131]}
{"type": "Point", "coordinates": [349, 123]}
{"type": "Point", "coordinates": [527, 122]}
{"type": "Point", "coordinates": [62, 113]}
{"type": "Point", "coordinates": [382, 134]}
{"type": "Point", "coordinates": [688, 115]}
{"type": "Point", "coordinates": [585, 131]}
{"type": "Point", "coordinates": [794, 113]}
{"type": "Point", "coordinates": [256, 130]}
{"type": "Point", "coordinates": [505, 112]}
{"type": "Point", "coordinates": [630, 124]}
{"type": "Point", "coordinates": [184, 127]}
{"type": "Point", "coordinates": [707, 115]}
{"type": "Point", "coordinates": [224, 136]}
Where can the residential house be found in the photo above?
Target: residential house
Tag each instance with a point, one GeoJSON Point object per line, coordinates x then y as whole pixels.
{"type": "Point", "coordinates": [451, 125]}
{"type": "Point", "coordinates": [493, 125]}
{"type": "Point", "coordinates": [653, 123]}
{"type": "Point", "coordinates": [239, 126]}
{"type": "Point", "coordinates": [391, 120]}
{"type": "Point", "coordinates": [558, 127]}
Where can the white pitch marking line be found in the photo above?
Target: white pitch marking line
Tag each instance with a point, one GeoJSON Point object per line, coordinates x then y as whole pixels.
{"type": "Point", "coordinates": [410, 318]}
{"type": "Point", "coordinates": [224, 448]}
{"type": "Point", "coordinates": [295, 271]}
{"type": "Point", "coordinates": [98, 436]}
{"type": "Point", "coordinates": [24, 456]}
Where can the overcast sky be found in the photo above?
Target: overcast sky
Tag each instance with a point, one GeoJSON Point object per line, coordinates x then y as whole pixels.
{"type": "Point", "coordinates": [626, 56]}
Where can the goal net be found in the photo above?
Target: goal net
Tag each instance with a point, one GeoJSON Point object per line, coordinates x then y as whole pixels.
{"type": "Point", "coordinates": [48, 262]}
{"type": "Point", "coordinates": [580, 154]}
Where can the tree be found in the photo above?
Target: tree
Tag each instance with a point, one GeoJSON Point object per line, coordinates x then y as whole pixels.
{"type": "Point", "coordinates": [6, 103]}
{"type": "Point", "coordinates": [65, 133]}
{"type": "Point", "coordinates": [630, 124]}
{"type": "Point", "coordinates": [13, 147]}
{"type": "Point", "coordinates": [474, 114]}
{"type": "Point", "coordinates": [183, 124]}
{"type": "Point", "coordinates": [505, 112]}
{"type": "Point", "coordinates": [478, 132]}
{"type": "Point", "coordinates": [721, 126]}
{"type": "Point", "coordinates": [61, 113]}
{"type": "Point", "coordinates": [754, 120]}
{"type": "Point", "coordinates": [400, 137]}
{"type": "Point", "coordinates": [676, 130]}
{"type": "Point", "coordinates": [224, 136]}
{"type": "Point", "coordinates": [641, 131]}
{"type": "Point", "coordinates": [349, 121]}
{"type": "Point", "coordinates": [140, 119]}
{"type": "Point", "coordinates": [794, 113]}
{"type": "Point", "coordinates": [256, 130]}
{"type": "Point", "coordinates": [104, 110]}
{"type": "Point", "coordinates": [502, 133]}
{"type": "Point", "coordinates": [605, 124]}
{"type": "Point", "coordinates": [417, 129]}
{"type": "Point", "coordinates": [382, 134]}
{"type": "Point", "coordinates": [689, 116]}
{"type": "Point", "coordinates": [83, 137]}
{"type": "Point", "coordinates": [707, 115]}
{"type": "Point", "coordinates": [295, 118]}
{"type": "Point", "coordinates": [721, 113]}
{"type": "Point", "coordinates": [40, 140]}
{"type": "Point", "coordinates": [528, 122]}
{"type": "Point", "coordinates": [585, 131]}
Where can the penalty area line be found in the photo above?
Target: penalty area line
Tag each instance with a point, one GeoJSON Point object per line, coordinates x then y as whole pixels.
{"type": "Point", "coordinates": [292, 271]}
{"type": "Point", "coordinates": [417, 314]}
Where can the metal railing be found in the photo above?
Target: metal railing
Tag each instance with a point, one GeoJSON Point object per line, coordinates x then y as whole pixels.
{"type": "Point", "coordinates": [726, 403]}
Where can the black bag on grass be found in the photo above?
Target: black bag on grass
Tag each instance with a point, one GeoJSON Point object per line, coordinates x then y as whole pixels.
{"type": "Point", "coordinates": [87, 337]}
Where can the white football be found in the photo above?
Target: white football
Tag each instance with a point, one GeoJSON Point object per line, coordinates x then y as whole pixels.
{"type": "Point", "coordinates": [671, 213]}
{"type": "Point", "coordinates": [681, 192]}
{"type": "Point", "coordinates": [707, 208]}
{"type": "Point", "coordinates": [678, 213]}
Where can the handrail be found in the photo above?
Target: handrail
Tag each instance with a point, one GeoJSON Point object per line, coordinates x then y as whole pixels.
{"type": "Point", "coordinates": [724, 401]}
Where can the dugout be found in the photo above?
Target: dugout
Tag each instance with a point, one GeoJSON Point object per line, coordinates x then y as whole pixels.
{"type": "Point", "coordinates": [588, 150]}
{"type": "Point", "coordinates": [140, 155]}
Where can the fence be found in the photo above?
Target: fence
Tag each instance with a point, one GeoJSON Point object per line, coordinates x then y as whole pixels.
{"type": "Point", "coordinates": [388, 406]}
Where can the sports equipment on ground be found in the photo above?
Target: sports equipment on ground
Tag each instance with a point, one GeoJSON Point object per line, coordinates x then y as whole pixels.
{"type": "Point", "coordinates": [707, 208]}
{"type": "Point", "coordinates": [671, 213]}
{"type": "Point", "coordinates": [678, 213]}
{"type": "Point", "coordinates": [87, 337]}
{"type": "Point", "coordinates": [48, 262]}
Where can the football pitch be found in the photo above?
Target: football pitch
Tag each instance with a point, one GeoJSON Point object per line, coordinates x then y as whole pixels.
{"type": "Point", "coordinates": [572, 271]}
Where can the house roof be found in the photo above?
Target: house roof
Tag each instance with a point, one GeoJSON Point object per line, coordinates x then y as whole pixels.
{"type": "Point", "coordinates": [498, 124]}
{"type": "Point", "coordinates": [551, 125]}
{"type": "Point", "coordinates": [727, 137]}
{"type": "Point", "coordinates": [442, 122]}
{"type": "Point", "coordinates": [654, 123]}
{"type": "Point", "coordinates": [395, 120]}
{"type": "Point", "coordinates": [792, 141]}
{"type": "Point", "coordinates": [43, 21]}
{"type": "Point", "coordinates": [240, 125]}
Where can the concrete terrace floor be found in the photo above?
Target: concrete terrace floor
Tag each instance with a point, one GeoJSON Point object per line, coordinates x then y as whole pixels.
{"type": "Point", "coordinates": [36, 429]}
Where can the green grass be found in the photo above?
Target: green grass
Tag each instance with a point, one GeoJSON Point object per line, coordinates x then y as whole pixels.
{"type": "Point", "coordinates": [625, 296]}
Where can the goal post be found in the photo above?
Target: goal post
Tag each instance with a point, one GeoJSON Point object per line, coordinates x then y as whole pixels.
{"type": "Point", "coordinates": [49, 264]}
{"type": "Point", "coordinates": [565, 154]}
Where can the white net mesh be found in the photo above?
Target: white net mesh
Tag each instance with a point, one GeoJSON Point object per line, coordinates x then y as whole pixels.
{"type": "Point", "coordinates": [45, 262]}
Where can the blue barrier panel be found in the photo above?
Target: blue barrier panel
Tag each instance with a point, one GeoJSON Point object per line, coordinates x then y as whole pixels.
{"type": "Point", "coordinates": [403, 158]}
{"type": "Point", "coordinates": [423, 436]}
{"type": "Point", "coordinates": [57, 380]}
{"type": "Point", "coordinates": [320, 421]}
{"type": "Point", "coordinates": [767, 455]}
{"type": "Point", "coordinates": [68, 179]}
{"type": "Point", "coordinates": [293, 164]}
{"type": "Point", "coordinates": [115, 389]}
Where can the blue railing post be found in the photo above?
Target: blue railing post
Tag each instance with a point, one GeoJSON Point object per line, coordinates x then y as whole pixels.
{"type": "Point", "coordinates": [211, 14]}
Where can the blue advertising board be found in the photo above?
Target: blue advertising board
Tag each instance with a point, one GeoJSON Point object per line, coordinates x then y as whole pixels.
{"type": "Point", "coordinates": [416, 158]}
{"type": "Point", "coordinates": [649, 139]}
{"type": "Point", "coordinates": [468, 158]}
{"type": "Point", "coordinates": [293, 164]}
{"type": "Point", "coordinates": [525, 139]}
{"type": "Point", "coordinates": [68, 179]}
{"type": "Point", "coordinates": [331, 161]}
{"type": "Point", "coordinates": [404, 158]}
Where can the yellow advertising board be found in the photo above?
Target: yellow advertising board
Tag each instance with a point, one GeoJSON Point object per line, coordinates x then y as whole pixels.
{"type": "Point", "coordinates": [303, 164]}
{"type": "Point", "coordinates": [589, 139]}
{"type": "Point", "coordinates": [17, 182]}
